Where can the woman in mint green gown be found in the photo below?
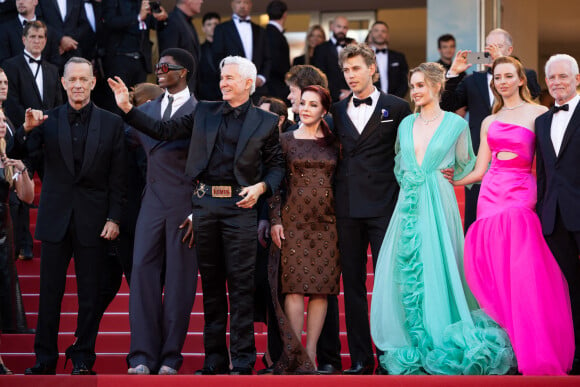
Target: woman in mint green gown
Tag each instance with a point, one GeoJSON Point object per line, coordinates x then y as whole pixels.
{"type": "Point", "coordinates": [423, 315]}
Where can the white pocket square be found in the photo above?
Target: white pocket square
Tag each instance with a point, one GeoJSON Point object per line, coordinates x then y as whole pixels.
{"type": "Point", "coordinates": [386, 121]}
{"type": "Point", "coordinates": [394, 64]}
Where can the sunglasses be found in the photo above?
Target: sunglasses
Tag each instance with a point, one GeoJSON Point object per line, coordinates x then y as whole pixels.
{"type": "Point", "coordinates": [164, 68]}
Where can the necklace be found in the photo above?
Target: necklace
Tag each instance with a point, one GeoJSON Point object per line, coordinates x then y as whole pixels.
{"type": "Point", "coordinates": [427, 122]}
{"type": "Point", "coordinates": [514, 107]}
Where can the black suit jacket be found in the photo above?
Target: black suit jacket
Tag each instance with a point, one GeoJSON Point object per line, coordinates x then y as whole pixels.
{"type": "Point", "coordinates": [96, 193]}
{"type": "Point", "coordinates": [473, 92]}
{"type": "Point", "coordinates": [258, 155]}
{"type": "Point", "coordinates": [227, 41]}
{"type": "Point", "coordinates": [23, 92]}
{"type": "Point", "coordinates": [208, 87]}
{"type": "Point", "coordinates": [397, 72]}
{"type": "Point", "coordinates": [280, 52]}
{"type": "Point", "coordinates": [365, 182]}
{"type": "Point", "coordinates": [558, 175]}
{"type": "Point", "coordinates": [11, 42]}
{"type": "Point", "coordinates": [326, 59]}
{"type": "Point", "coordinates": [7, 10]}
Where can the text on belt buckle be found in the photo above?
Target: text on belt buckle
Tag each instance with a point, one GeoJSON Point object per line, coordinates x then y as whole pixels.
{"type": "Point", "coordinates": [221, 191]}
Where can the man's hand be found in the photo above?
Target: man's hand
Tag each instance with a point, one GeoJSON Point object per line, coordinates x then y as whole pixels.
{"type": "Point", "coordinates": [277, 232]}
{"type": "Point", "coordinates": [259, 82]}
{"type": "Point", "coordinates": [343, 94]}
{"type": "Point", "coordinates": [187, 226]}
{"type": "Point", "coordinates": [67, 44]}
{"type": "Point", "coordinates": [448, 174]}
{"type": "Point", "coordinates": [494, 52]}
{"type": "Point", "coordinates": [33, 118]}
{"type": "Point", "coordinates": [121, 93]}
{"type": "Point", "coordinates": [145, 9]}
{"type": "Point", "coordinates": [110, 231]}
{"type": "Point", "coordinates": [263, 232]}
{"type": "Point", "coordinates": [160, 16]}
{"type": "Point", "coordinates": [251, 194]}
{"type": "Point", "coordinates": [460, 64]}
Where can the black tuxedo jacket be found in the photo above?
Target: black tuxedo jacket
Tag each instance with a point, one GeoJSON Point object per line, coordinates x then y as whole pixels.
{"type": "Point", "coordinates": [397, 72]}
{"type": "Point", "coordinates": [227, 41]}
{"type": "Point", "coordinates": [97, 193]}
{"type": "Point", "coordinates": [23, 92]}
{"type": "Point", "coordinates": [11, 42]}
{"type": "Point", "coordinates": [473, 92]}
{"type": "Point", "coordinates": [280, 52]}
{"type": "Point", "coordinates": [258, 155]}
{"type": "Point", "coordinates": [208, 87]}
{"type": "Point", "coordinates": [7, 10]}
{"type": "Point", "coordinates": [558, 175]}
{"type": "Point", "coordinates": [326, 59]}
{"type": "Point", "coordinates": [365, 182]}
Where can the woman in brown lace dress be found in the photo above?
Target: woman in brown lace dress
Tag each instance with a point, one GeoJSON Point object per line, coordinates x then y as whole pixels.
{"type": "Point", "coordinates": [304, 223]}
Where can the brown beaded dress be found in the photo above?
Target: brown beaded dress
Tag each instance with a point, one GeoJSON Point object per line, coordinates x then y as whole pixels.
{"type": "Point", "coordinates": [309, 259]}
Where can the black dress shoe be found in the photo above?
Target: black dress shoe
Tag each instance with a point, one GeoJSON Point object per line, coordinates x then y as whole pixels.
{"type": "Point", "coordinates": [40, 369]}
{"type": "Point", "coordinates": [575, 367]}
{"type": "Point", "coordinates": [4, 370]}
{"type": "Point", "coordinates": [381, 371]}
{"type": "Point", "coordinates": [80, 368]}
{"type": "Point", "coordinates": [359, 369]}
{"type": "Point", "coordinates": [241, 371]}
{"type": "Point", "coordinates": [266, 371]}
{"type": "Point", "coordinates": [327, 369]}
{"type": "Point", "coordinates": [211, 371]}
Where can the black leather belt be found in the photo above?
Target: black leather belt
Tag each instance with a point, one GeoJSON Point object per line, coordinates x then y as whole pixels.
{"type": "Point", "coordinates": [217, 191]}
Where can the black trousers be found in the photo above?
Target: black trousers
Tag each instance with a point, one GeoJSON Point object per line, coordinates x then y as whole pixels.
{"type": "Point", "coordinates": [565, 245]}
{"type": "Point", "coordinates": [471, 195]}
{"type": "Point", "coordinates": [20, 213]}
{"type": "Point", "coordinates": [55, 258]}
{"type": "Point", "coordinates": [226, 238]}
{"type": "Point", "coordinates": [354, 236]}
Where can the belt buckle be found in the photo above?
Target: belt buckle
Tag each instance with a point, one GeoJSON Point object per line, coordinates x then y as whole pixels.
{"type": "Point", "coordinates": [200, 190]}
{"type": "Point", "coordinates": [221, 191]}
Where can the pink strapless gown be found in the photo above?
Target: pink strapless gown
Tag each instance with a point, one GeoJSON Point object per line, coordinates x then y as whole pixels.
{"type": "Point", "coordinates": [508, 264]}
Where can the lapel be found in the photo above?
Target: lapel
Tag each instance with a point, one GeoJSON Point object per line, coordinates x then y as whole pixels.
{"type": "Point", "coordinates": [46, 91]}
{"type": "Point", "coordinates": [233, 32]}
{"type": "Point", "coordinates": [251, 124]}
{"type": "Point", "coordinates": [212, 126]}
{"type": "Point", "coordinates": [69, 6]}
{"type": "Point", "coordinates": [255, 39]}
{"type": "Point", "coordinates": [545, 136]}
{"type": "Point", "coordinates": [483, 88]}
{"type": "Point", "coordinates": [31, 81]}
{"type": "Point", "coordinates": [155, 111]}
{"type": "Point", "coordinates": [65, 139]}
{"type": "Point", "coordinates": [570, 129]}
{"type": "Point", "coordinates": [92, 144]}
{"type": "Point", "coordinates": [375, 119]}
{"type": "Point", "coordinates": [190, 28]}
{"type": "Point", "coordinates": [349, 127]}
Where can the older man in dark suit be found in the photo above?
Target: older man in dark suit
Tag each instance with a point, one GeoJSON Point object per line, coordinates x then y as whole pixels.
{"type": "Point", "coordinates": [558, 141]}
{"type": "Point", "coordinates": [80, 207]}
{"type": "Point", "coordinates": [241, 37]}
{"type": "Point", "coordinates": [474, 93]}
{"type": "Point", "coordinates": [233, 153]}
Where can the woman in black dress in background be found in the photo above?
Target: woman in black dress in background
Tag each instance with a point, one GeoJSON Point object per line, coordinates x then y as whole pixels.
{"type": "Point", "coordinates": [314, 37]}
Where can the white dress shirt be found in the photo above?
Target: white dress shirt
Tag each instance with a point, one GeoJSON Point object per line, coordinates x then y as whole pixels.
{"type": "Point", "coordinates": [361, 114]}
{"type": "Point", "coordinates": [179, 99]}
{"type": "Point", "coordinates": [21, 18]}
{"type": "Point", "coordinates": [62, 8]}
{"type": "Point", "coordinates": [560, 122]}
{"type": "Point", "coordinates": [382, 66]}
{"type": "Point", "coordinates": [34, 67]}
{"type": "Point", "coordinates": [90, 12]}
{"type": "Point", "coordinates": [245, 32]}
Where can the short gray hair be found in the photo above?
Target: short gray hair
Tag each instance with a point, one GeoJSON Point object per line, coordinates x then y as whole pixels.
{"type": "Point", "coordinates": [562, 58]}
{"type": "Point", "coordinates": [246, 68]}
{"type": "Point", "coordinates": [506, 35]}
{"type": "Point", "coordinates": [77, 59]}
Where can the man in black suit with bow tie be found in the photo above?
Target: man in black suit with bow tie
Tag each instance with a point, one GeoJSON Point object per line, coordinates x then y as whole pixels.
{"type": "Point", "coordinates": [279, 49]}
{"type": "Point", "coordinates": [366, 189]}
{"type": "Point", "coordinates": [234, 158]}
{"type": "Point", "coordinates": [557, 158]}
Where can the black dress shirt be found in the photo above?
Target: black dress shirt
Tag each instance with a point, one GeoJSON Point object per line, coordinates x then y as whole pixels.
{"type": "Point", "coordinates": [79, 125]}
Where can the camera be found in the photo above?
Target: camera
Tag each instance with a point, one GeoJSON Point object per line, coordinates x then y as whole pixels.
{"type": "Point", "coordinates": [155, 6]}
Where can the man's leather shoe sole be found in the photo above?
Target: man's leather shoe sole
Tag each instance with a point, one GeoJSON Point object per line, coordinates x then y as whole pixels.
{"type": "Point", "coordinates": [359, 369]}
{"type": "Point", "coordinates": [328, 369]}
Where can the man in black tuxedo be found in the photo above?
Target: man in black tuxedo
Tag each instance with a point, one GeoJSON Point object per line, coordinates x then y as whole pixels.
{"type": "Point", "coordinates": [473, 92]}
{"type": "Point", "coordinates": [366, 189]}
{"type": "Point", "coordinates": [279, 50]}
{"type": "Point", "coordinates": [11, 31]}
{"type": "Point", "coordinates": [391, 65]}
{"type": "Point", "coordinates": [241, 37]}
{"type": "Point", "coordinates": [180, 33]}
{"type": "Point", "coordinates": [557, 161]}
{"type": "Point", "coordinates": [233, 153]}
{"type": "Point", "coordinates": [208, 88]}
{"type": "Point", "coordinates": [326, 58]}
{"type": "Point", "coordinates": [80, 206]}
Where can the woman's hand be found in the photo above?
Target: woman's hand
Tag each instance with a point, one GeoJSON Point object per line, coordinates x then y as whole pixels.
{"type": "Point", "coordinates": [277, 233]}
{"type": "Point", "coordinates": [18, 165]}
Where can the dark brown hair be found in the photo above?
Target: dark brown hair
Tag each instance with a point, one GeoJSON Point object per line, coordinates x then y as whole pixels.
{"type": "Point", "coordinates": [325, 99]}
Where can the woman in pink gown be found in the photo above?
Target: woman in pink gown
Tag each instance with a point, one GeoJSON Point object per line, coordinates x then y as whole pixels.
{"type": "Point", "coordinates": [508, 265]}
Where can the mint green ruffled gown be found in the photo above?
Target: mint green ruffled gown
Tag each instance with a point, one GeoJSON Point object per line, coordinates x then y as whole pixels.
{"type": "Point", "coordinates": [423, 315]}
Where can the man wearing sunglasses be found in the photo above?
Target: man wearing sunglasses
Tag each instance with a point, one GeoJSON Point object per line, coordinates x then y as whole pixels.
{"type": "Point", "coordinates": [234, 157]}
{"type": "Point", "coordinates": [159, 324]}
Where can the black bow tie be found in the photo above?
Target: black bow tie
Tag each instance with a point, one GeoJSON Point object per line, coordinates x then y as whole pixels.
{"type": "Point", "coordinates": [341, 44]}
{"type": "Point", "coordinates": [244, 20]}
{"type": "Point", "coordinates": [32, 60]}
{"type": "Point", "coordinates": [367, 100]}
{"type": "Point", "coordinates": [556, 109]}
{"type": "Point", "coordinates": [383, 50]}
{"type": "Point", "coordinates": [237, 111]}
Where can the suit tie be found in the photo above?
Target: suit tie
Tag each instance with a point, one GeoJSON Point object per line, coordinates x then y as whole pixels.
{"type": "Point", "coordinates": [167, 112]}
{"type": "Point", "coordinates": [556, 109]}
{"type": "Point", "coordinates": [357, 102]}
{"type": "Point", "coordinates": [381, 50]}
{"type": "Point", "coordinates": [24, 23]}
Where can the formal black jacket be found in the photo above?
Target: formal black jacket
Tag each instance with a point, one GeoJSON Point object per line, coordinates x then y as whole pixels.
{"type": "Point", "coordinates": [227, 41]}
{"type": "Point", "coordinates": [258, 156]}
{"type": "Point", "coordinates": [7, 10]}
{"type": "Point", "coordinates": [397, 72]}
{"type": "Point", "coordinates": [473, 92]}
{"type": "Point", "coordinates": [326, 59]}
{"type": "Point", "coordinates": [92, 196]}
{"type": "Point", "coordinates": [11, 42]}
{"type": "Point", "coordinates": [208, 87]}
{"type": "Point", "coordinates": [365, 183]}
{"type": "Point", "coordinates": [23, 92]}
{"type": "Point", "coordinates": [280, 53]}
{"type": "Point", "coordinates": [558, 175]}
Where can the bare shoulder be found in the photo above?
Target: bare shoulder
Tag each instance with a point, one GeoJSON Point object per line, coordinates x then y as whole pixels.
{"type": "Point", "coordinates": [537, 109]}
{"type": "Point", "coordinates": [487, 121]}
